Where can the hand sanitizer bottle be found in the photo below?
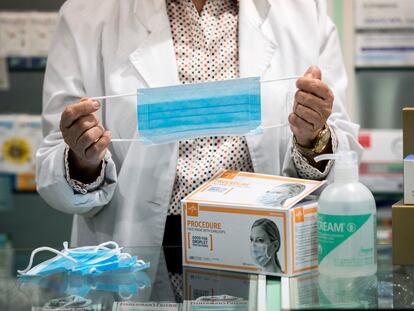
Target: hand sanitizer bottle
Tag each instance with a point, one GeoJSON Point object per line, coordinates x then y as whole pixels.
{"type": "Point", "coordinates": [346, 222]}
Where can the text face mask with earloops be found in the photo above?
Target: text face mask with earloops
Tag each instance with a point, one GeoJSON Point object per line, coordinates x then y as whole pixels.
{"type": "Point", "coordinates": [229, 107]}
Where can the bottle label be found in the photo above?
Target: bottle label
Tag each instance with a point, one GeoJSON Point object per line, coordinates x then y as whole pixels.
{"type": "Point", "coordinates": [333, 230]}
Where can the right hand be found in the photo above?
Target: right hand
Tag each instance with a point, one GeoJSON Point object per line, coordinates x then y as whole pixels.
{"type": "Point", "coordinates": [87, 139]}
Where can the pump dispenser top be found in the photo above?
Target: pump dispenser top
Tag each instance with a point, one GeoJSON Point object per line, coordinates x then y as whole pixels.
{"type": "Point", "coordinates": [346, 165]}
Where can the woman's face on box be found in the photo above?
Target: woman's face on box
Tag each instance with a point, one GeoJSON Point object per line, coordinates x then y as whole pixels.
{"type": "Point", "coordinates": [258, 235]}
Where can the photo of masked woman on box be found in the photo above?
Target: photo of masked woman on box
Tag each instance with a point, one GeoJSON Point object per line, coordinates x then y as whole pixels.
{"type": "Point", "coordinates": [264, 245]}
{"type": "Point", "coordinates": [278, 195]}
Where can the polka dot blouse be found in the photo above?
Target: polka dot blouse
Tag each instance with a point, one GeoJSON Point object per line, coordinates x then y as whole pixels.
{"type": "Point", "coordinates": [206, 49]}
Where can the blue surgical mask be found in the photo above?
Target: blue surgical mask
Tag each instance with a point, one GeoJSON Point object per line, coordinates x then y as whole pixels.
{"type": "Point", "coordinates": [229, 107]}
{"type": "Point", "coordinates": [84, 260]}
{"type": "Point", "coordinates": [220, 108]}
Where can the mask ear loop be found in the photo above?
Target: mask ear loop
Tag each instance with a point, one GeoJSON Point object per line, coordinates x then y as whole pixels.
{"type": "Point", "coordinates": [277, 80]}
{"type": "Point", "coordinates": [125, 297]}
{"type": "Point", "coordinates": [103, 246]}
{"type": "Point", "coordinates": [41, 249]}
{"type": "Point", "coordinates": [125, 256]}
{"type": "Point", "coordinates": [267, 252]}
{"type": "Point", "coordinates": [273, 126]}
{"type": "Point", "coordinates": [94, 248]}
{"type": "Point", "coordinates": [114, 96]}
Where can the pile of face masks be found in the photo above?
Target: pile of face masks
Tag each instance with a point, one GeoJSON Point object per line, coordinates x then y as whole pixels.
{"type": "Point", "coordinates": [88, 260]}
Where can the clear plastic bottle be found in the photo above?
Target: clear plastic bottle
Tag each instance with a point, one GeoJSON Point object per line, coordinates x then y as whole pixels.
{"type": "Point", "coordinates": [346, 222]}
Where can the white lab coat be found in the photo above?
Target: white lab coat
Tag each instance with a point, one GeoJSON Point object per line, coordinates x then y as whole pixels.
{"type": "Point", "coordinates": [116, 46]}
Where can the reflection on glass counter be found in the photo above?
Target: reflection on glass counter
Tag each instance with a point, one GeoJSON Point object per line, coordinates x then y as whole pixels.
{"type": "Point", "coordinates": [167, 286]}
{"type": "Point", "coordinates": [391, 287]}
{"type": "Point", "coordinates": [318, 291]}
{"type": "Point", "coordinates": [124, 284]}
{"type": "Point", "coordinates": [161, 287]}
{"type": "Point", "coordinates": [218, 291]}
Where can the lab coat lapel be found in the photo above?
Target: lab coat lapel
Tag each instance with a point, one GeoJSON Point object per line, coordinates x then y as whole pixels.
{"type": "Point", "coordinates": [257, 50]}
{"type": "Point", "coordinates": [154, 59]}
{"type": "Point", "coordinates": [256, 41]}
{"type": "Point", "coordinates": [155, 64]}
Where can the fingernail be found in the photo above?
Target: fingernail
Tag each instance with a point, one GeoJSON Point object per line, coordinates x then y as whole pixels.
{"type": "Point", "coordinates": [96, 104]}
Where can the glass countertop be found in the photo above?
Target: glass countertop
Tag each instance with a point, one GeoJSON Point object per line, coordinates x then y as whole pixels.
{"type": "Point", "coordinates": [167, 285]}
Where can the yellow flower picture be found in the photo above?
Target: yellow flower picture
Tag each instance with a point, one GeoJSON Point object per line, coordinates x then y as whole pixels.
{"type": "Point", "coordinates": [16, 150]}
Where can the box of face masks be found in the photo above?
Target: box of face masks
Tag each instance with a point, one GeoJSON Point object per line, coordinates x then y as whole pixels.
{"type": "Point", "coordinates": [251, 223]}
{"type": "Point", "coordinates": [409, 179]}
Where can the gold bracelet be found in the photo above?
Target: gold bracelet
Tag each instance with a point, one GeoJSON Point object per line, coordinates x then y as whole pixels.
{"type": "Point", "coordinates": [322, 140]}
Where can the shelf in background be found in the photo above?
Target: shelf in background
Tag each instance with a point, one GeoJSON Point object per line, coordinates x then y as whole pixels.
{"type": "Point", "coordinates": [384, 68]}
{"type": "Point", "coordinates": [18, 64]}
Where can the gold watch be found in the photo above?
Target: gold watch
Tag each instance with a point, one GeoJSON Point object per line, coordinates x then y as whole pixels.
{"type": "Point", "coordinates": [321, 141]}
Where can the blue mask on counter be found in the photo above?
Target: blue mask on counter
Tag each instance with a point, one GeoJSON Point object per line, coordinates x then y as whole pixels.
{"type": "Point", "coordinates": [221, 108]}
{"type": "Point", "coordinates": [84, 261]}
{"type": "Point", "coordinates": [126, 283]}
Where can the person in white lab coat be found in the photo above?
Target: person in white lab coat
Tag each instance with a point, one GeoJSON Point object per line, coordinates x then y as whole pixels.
{"type": "Point", "coordinates": [124, 191]}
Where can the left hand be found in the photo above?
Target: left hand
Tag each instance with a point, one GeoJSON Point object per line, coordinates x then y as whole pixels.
{"type": "Point", "coordinates": [312, 107]}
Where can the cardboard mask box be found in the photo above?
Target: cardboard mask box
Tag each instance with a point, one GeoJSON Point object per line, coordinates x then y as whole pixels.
{"type": "Point", "coordinates": [381, 168]}
{"type": "Point", "coordinates": [409, 179]}
{"type": "Point", "coordinates": [251, 223]}
{"type": "Point", "coordinates": [408, 131]}
{"type": "Point", "coordinates": [402, 234]}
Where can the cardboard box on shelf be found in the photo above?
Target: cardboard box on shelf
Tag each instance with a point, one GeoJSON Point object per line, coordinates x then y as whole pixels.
{"type": "Point", "coordinates": [20, 136]}
{"type": "Point", "coordinates": [409, 179]}
{"type": "Point", "coordinates": [376, 48]}
{"type": "Point", "coordinates": [402, 233]}
{"type": "Point", "coordinates": [379, 14]}
{"type": "Point", "coordinates": [14, 28]}
{"type": "Point", "coordinates": [383, 33]}
{"type": "Point", "coordinates": [251, 223]}
{"type": "Point", "coordinates": [408, 131]}
{"type": "Point", "coordinates": [26, 34]}
{"type": "Point", "coordinates": [381, 168]}
{"type": "Point", "coordinates": [41, 32]}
